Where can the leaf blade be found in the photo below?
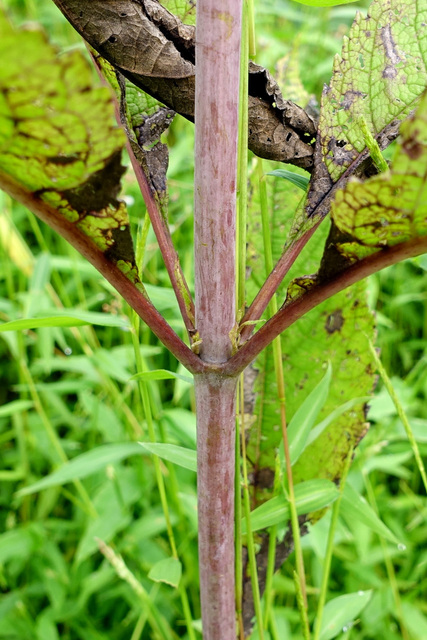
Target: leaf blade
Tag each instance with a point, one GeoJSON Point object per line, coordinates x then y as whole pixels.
{"type": "Point", "coordinates": [84, 465]}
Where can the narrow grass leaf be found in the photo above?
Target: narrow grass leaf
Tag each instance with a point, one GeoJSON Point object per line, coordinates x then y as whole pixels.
{"type": "Point", "coordinates": [168, 571]}
{"type": "Point", "coordinates": [355, 507]}
{"type": "Point", "coordinates": [400, 410]}
{"type": "Point", "coordinates": [15, 407]}
{"type": "Point", "coordinates": [291, 176]}
{"type": "Point", "coordinates": [84, 465]}
{"type": "Point", "coordinates": [341, 612]}
{"type": "Point", "coordinates": [67, 318]}
{"type": "Point", "coordinates": [311, 495]}
{"type": "Point", "coordinates": [305, 417]}
{"type": "Point", "coordinates": [181, 456]}
{"type": "Point", "coordinates": [161, 374]}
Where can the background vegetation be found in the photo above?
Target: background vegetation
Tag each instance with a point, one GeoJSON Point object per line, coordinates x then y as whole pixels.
{"type": "Point", "coordinates": [64, 391]}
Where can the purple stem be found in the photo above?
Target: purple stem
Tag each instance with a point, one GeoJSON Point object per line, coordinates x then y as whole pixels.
{"type": "Point", "coordinates": [167, 249]}
{"type": "Point", "coordinates": [147, 312]}
{"type": "Point", "coordinates": [216, 120]}
{"type": "Point", "coordinates": [290, 313]}
{"type": "Point", "coordinates": [273, 282]}
{"type": "Point", "coordinates": [216, 417]}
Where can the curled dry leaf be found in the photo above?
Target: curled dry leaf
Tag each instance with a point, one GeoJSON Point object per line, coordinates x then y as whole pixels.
{"type": "Point", "coordinates": [152, 47]}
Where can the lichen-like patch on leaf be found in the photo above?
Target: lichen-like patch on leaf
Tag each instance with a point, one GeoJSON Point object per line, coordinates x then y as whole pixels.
{"type": "Point", "coordinates": [390, 208]}
{"type": "Point", "coordinates": [58, 139]}
{"type": "Point", "coordinates": [380, 76]}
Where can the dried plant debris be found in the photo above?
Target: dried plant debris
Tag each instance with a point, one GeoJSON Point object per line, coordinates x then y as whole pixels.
{"type": "Point", "coordinates": [155, 50]}
{"type": "Point", "coordinates": [156, 153]}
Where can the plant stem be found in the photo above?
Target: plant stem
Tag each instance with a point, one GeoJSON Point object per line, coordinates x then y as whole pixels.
{"type": "Point", "coordinates": [330, 548]}
{"type": "Point", "coordinates": [278, 367]}
{"type": "Point", "coordinates": [273, 281]}
{"type": "Point", "coordinates": [238, 539]}
{"type": "Point", "coordinates": [215, 406]}
{"type": "Point", "coordinates": [401, 413]}
{"type": "Point", "coordinates": [218, 27]}
{"type": "Point", "coordinates": [242, 167]}
{"type": "Point", "coordinates": [290, 313]}
{"type": "Point", "coordinates": [247, 509]}
{"type": "Point", "coordinates": [111, 272]}
{"type": "Point", "coordinates": [166, 247]}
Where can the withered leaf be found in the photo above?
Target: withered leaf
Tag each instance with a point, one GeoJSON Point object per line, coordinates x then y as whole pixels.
{"type": "Point", "coordinates": [156, 51]}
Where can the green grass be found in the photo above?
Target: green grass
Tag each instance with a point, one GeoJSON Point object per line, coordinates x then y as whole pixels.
{"type": "Point", "coordinates": [66, 391]}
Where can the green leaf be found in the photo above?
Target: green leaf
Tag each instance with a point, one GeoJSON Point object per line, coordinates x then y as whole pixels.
{"type": "Point", "coordinates": [306, 415]}
{"type": "Point", "coordinates": [181, 456]}
{"type": "Point", "coordinates": [332, 332]}
{"type": "Point", "coordinates": [309, 496]}
{"type": "Point", "coordinates": [392, 207]}
{"type": "Point", "coordinates": [111, 501]}
{"type": "Point", "coordinates": [161, 374]}
{"type": "Point", "coordinates": [168, 571]}
{"type": "Point", "coordinates": [59, 144]}
{"type": "Point", "coordinates": [185, 10]}
{"type": "Point", "coordinates": [336, 413]}
{"type": "Point", "coordinates": [341, 612]}
{"type": "Point", "coordinates": [380, 76]}
{"type": "Point", "coordinates": [84, 465]}
{"type": "Point", "coordinates": [300, 181]}
{"type": "Point", "coordinates": [19, 543]}
{"type": "Point", "coordinates": [354, 507]}
{"type": "Point", "coordinates": [15, 407]}
{"type": "Point", "coordinates": [323, 3]}
{"type": "Point", "coordinates": [67, 318]}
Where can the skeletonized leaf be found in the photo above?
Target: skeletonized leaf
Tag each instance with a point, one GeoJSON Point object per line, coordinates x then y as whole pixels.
{"type": "Point", "coordinates": [185, 10]}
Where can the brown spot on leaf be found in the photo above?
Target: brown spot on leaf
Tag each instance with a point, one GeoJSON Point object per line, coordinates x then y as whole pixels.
{"type": "Point", "coordinates": [264, 478]}
{"type": "Point", "coordinates": [334, 321]}
{"type": "Point", "coordinates": [122, 245]}
{"type": "Point", "coordinates": [412, 147]}
{"type": "Point", "coordinates": [100, 190]}
{"type": "Point", "coordinates": [340, 153]}
{"type": "Point", "coordinates": [349, 97]}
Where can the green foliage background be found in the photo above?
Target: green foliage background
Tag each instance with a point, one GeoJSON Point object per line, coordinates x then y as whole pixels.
{"type": "Point", "coordinates": [76, 383]}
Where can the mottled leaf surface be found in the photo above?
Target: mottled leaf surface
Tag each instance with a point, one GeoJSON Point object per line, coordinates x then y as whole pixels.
{"type": "Point", "coordinates": [333, 332]}
{"type": "Point", "coordinates": [185, 10]}
{"type": "Point", "coordinates": [392, 207]}
{"type": "Point", "coordinates": [380, 75]}
{"type": "Point", "coordinates": [58, 139]}
{"type": "Point", "coordinates": [144, 119]}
